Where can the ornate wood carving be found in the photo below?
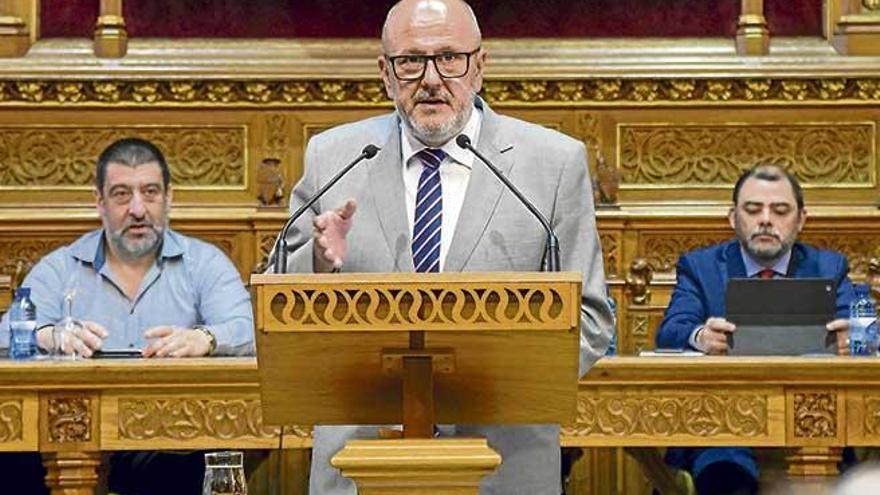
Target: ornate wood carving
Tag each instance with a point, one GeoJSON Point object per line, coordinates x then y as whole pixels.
{"type": "Point", "coordinates": [872, 415]}
{"type": "Point", "coordinates": [611, 252]}
{"type": "Point", "coordinates": [638, 281]}
{"type": "Point", "coordinates": [270, 183]}
{"type": "Point", "coordinates": [428, 306]}
{"type": "Point", "coordinates": [700, 415]}
{"type": "Point", "coordinates": [815, 415]}
{"type": "Point", "coordinates": [715, 155]}
{"type": "Point", "coordinates": [637, 337]}
{"type": "Point", "coordinates": [186, 419]}
{"type": "Point", "coordinates": [10, 420]}
{"type": "Point", "coordinates": [606, 182]}
{"type": "Point", "coordinates": [661, 251]}
{"type": "Point", "coordinates": [69, 419]}
{"type": "Point", "coordinates": [25, 252]}
{"type": "Point", "coordinates": [858, 248]}
{"type": "Point", "coordinates": [346, 92]}
{"type": "Point", "coordinates": [65, 156]}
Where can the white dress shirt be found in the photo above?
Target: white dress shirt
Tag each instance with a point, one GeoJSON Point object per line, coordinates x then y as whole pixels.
{"type": "Point", "coordinates": [455, 172]}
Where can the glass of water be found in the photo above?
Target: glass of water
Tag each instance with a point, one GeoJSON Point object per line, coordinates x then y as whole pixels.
{"type": "Point", "coordinates": [224, 474]}
{"type": "Point", "coordinates": [63, 333]}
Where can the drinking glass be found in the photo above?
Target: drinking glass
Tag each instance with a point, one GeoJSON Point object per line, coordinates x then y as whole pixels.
{"type": "Point", "coordinates": [224, 474]}
{"type": "Point", "coordinates": [63, 331]}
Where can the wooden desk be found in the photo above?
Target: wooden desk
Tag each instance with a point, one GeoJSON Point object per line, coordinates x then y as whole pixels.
{"type": "Point", "coordinates": [813, 405]}
{"type": "Point", "coordinates": [71, 411]}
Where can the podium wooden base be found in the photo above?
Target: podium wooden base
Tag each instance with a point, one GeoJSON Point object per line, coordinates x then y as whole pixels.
{"type": "Point", "coordinates": [453, 466]}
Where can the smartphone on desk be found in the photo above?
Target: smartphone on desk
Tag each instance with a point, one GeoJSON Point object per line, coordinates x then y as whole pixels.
{"type": "Point", "coordinates": [117, 354]}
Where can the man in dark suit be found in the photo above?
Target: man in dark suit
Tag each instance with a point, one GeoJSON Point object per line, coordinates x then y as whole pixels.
{"type": "Point", "coordinates": [767, 215]}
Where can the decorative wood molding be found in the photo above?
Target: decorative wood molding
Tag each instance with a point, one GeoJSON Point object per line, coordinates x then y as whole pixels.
{"type": "Point", "coordinates": [111, 37]}
{"type": "Point", "coordinates": [63, 157]}
{"type": "Point", "coordinates": [714, 155]}
{"type": "Point", "coordinates": [752, 35]}
{"type": "Point", "coordinates": [188, 419]}
{"type": "Point", "coordinates": [431, 305]}
{"type": "Point", "coordinates": [661, 250]}
{"type": "Point", "coordinates": [743, 415]}
{"type": "Point", "coordinates": [342, 92]}
{"type": "Point", "coordinates": [14, 37]}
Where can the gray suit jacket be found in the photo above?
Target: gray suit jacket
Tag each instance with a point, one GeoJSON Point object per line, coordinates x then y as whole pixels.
{"type": "Point", "coordinates": [494, 233]}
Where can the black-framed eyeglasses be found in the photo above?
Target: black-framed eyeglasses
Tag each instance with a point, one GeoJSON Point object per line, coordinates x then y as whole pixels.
{"type": "Point", "coordinates": [449, 65]}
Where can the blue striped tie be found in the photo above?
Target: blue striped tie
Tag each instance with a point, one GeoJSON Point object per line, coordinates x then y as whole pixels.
{"type": "Point", "coordinates": [429, 213]}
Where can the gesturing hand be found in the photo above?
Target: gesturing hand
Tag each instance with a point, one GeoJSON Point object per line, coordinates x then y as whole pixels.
{"type": "Point", "coordinates": [329, 231]}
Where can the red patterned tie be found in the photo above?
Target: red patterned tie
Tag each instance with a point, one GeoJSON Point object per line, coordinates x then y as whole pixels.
{"type": "Point", "coordinates": [766, 273]}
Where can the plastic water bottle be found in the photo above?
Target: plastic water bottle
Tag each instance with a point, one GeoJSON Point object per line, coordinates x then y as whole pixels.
{"type": "Point", "coordinates": [863, 323]}
{"type": "Point", "coordinates": [22, 325]}
{"type": "Point", "coordinates": [612, 346]}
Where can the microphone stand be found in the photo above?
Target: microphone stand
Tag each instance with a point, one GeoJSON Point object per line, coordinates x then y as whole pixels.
{"type": "Point", "coordinates": [279, 259]}
{"type": "Point", "coordinates": [551, 251]}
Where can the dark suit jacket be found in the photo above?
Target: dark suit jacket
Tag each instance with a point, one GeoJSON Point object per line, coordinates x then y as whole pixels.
{"type": "Point", "coordinates": [702, 277]}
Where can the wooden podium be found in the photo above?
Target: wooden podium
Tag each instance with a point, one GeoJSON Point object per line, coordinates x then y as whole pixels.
{"type": "Point", "coordinates": [418, 349]}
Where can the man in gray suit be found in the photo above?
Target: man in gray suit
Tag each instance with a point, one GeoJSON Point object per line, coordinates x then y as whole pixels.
{"type": "Point", "coordinates": [424, 204]}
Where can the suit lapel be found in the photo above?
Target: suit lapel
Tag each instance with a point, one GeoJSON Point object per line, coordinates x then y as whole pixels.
{"type": "Point", "coordinates": [483, 191]}
{"type": "Point", "coordinates": [386, 175]}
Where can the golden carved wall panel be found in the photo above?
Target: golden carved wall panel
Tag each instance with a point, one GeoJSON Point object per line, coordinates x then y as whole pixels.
{"type": "Point", "coordinates": [700, 155]}
{"type": "Point", "coordinates": [27, 251]}
{"type": "Point", "coordinates": [632, 412]}
{"type": "Point", "coordinates": [69, 420]}
{"type": "Point", "coordinates": [11, 421]}
{"type": "Point", "coordinates": [858, 247]}
{"type": "Point", "coordinates": [187, 419]}
{"type": "Point", "coordinates": [64, 156]}
{"type": "Point", "coordinates": [662, 249]}
{"type": "Point", "coordinates": [815, 415]}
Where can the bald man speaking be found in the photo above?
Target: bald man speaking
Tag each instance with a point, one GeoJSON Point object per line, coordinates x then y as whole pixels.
{"type": "Point", "coordinates": [424, 204]}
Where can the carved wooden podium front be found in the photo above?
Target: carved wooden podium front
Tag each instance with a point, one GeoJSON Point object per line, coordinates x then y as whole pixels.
{"type": "Point", "coordinates": [418, 349]}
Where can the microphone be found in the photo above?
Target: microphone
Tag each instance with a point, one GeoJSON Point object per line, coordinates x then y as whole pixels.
{"type": "Point", "coordinates": [279, 260]}
{"type": "Point", "coordinates": [551, 252]}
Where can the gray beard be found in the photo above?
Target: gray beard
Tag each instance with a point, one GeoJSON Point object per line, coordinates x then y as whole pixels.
{"type": "Point", "coordinates": [136, 250]}
{"type": "Point", "coordinates": [436, 137]}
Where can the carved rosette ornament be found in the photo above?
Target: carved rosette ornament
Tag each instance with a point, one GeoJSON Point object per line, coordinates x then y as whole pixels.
{"type": "Point", "coordinates": [698, 415]}
{"type": "Point", "coordinates": [346, 92]}
{"type": "Point", "coordinates": [815, 415]}
{"type": "Point", "coordinates": [69, 419]}
{"type": "Point", "coordinates": [872, 5]}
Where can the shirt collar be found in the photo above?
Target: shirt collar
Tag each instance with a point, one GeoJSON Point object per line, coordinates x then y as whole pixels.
{"type": "Point", "coordinates": [90, 247]}
{"type": "Point", "coordinates": [410, 145]}
{"type": "Point", "coordinates": [753, 267]}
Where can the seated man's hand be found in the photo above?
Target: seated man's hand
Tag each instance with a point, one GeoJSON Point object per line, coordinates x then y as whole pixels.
{"type": "Point", "coordinates": [840, 326]}
{"type": "Point", "coordinates": [85, 338]}
{"type": "Point", "coordinates": [329, 230]}
{"type": "Point", "coordinates": [712, 338]}
{"type": "Point", "coordinates": [171, 341]}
